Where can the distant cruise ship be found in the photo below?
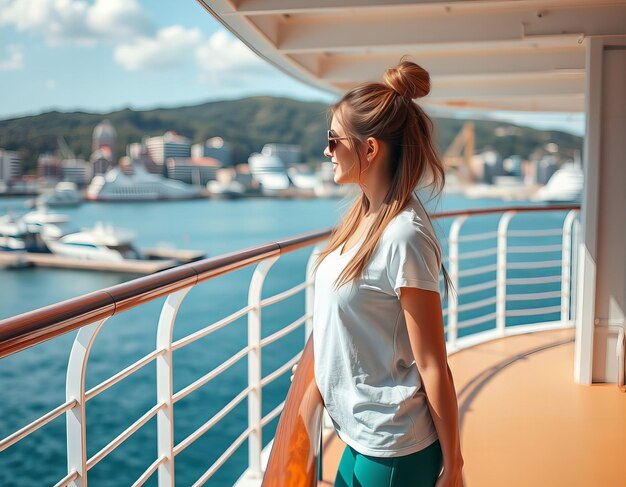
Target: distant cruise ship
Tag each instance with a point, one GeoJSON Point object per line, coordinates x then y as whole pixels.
{"type": "Point", "coordinates": [270, 171]}
{"type": "Point", "coordinates": [141, 185]}
{"type": "Point", "coordinates": [565, 185]}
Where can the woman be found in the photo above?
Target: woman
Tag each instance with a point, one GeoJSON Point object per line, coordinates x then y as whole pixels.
{"type": "Point", "coordinates": [380, 356]}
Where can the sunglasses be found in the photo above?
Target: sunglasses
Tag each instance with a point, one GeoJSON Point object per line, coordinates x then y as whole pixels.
{"type": "Point", "coordinates": [332, 140]}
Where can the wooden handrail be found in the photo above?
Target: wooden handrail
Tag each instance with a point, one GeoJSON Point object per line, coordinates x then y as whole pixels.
{"type": "Point", "coordinates": [293, 460]}
{"type": "Point", "coordinates": [28, 329]}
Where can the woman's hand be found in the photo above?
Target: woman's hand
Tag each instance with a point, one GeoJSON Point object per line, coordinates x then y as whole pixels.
{"type": "Point", "coordinates": [293, 371]}
{"type": "Point", "coordinates": [450, 478]}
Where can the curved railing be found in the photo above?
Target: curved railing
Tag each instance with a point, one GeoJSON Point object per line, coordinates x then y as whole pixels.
{"type": "Point", "coordinates": [89, 313]}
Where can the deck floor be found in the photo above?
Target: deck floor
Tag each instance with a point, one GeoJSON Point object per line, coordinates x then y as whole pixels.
{"type": "Point", "coordinates": [525, 422]}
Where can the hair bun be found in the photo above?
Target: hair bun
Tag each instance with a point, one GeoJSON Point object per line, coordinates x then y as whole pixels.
{"type": "Point", "coordinates": [408, 79]}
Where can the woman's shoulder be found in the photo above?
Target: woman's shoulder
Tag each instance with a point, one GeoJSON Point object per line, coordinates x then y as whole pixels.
{"type": "Point", "coordinates": [411, 229]}
{"type": "Point", "coordinates": [410, 221]}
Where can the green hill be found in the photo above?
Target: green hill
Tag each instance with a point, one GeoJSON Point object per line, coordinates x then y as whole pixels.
{"type": "Point", "coordinates": [247, 123]}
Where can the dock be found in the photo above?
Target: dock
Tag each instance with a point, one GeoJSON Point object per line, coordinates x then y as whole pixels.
{"type": "Point", "coordinates": [156, 260]}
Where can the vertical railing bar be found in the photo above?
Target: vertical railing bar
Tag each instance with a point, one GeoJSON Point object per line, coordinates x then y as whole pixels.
{"type": "Point", "coordinates": [255, 439]}
{"type": "Point", "coordinates": [309, 297]}
{"type": "Point", "coordinates": [75, 390]}
{"type": "Point", "coordinates": [165, 392]}
{"type": "Point", "coordinates": [453, 299]}
{"type": "Point", "coordinates": [501, 268]}
{"type": "Point", "coordinates": [566, 266]}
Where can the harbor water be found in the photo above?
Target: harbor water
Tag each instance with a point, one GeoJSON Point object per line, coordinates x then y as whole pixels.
{"type": "Point", "coordinates": [33, 382]}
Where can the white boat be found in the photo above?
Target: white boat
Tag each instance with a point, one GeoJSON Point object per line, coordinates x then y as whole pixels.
{"type": "Point", "coordinates": [28, 232]}
{"type": "Point", "coordinates": [64, 194]}
{"type": "Point", "coordinates": [13, 234]}
{"type": "Point", "coordinates": [326, 186]}
{"type": "Point", "coordinates": [307, 181]}
{"type": "Point", "coordinates": [140, 185]}
{"type": "Point", "coordinates": [564, 186]}
{"type": "Point", "coordinates": [231, 190]}
{"type": "Point", "coordinates": [103, 243]}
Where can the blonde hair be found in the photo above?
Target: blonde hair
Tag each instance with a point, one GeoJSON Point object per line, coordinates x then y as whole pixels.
{"type": "Point", "coordinates": [386, 111]}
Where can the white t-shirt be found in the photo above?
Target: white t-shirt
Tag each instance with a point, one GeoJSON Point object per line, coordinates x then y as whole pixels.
{"type": "Point", "coordinates": [364, 365]}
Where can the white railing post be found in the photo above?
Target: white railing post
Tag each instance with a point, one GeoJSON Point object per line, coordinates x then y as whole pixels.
{"type": "Point", "coordinates": [501, 262]}
{"type": "Point", "coordinates": [309, 293]}
{"type": "Point", "coordinates": [75, 389]}
{"type": "Point", "coordinates": [453, 298]}
{"type": "Point", "coordinates": [255, 440]}
{"type": "Point", "coordinates": [164, 378]}
{"type": "Point", "coordinates": [566, 265]}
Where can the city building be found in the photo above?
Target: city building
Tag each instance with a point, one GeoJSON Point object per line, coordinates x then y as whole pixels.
{"type": "Point", "coordinates": [168, 145]}
{"type": "Point", "coordinates": [104, 135]}
{"type": "Point", "coordinates": [49, 168]}
{"type": "Point", "coordinates": [102, 160]}
{"type": "Point", "coordinates": [289, 154]}
{"type": "Point", "coordinates": [195, 170]}
{"type": "Point", "coordinates": [138, 152]}
{"type": "Point", "coordinates": [492, 165]}
{"type": "Point", "coordinates": [546, 167]}
{"type": "Point", "coordinates": [216, 148]}
{"type": "Point", "coordinates": [513, 165]}
{"type": "Point", "coordinates": [76, 171]}
{"type": "Point", "coordinates": [10, 165]}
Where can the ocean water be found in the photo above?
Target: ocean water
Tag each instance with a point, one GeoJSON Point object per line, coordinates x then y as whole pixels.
{"type": "Point", "coordinates": [33, 382]}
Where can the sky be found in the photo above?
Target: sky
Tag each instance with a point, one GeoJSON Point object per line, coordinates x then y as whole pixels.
{"type": "Point", "coordinates": [105, 55]}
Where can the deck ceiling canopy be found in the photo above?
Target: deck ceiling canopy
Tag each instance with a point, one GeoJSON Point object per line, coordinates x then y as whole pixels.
{"type": "Point", "coordinates": [481, 54]}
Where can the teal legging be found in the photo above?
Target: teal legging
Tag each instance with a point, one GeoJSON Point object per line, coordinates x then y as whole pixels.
{"type": "Point", "coordinates": [419, 469]}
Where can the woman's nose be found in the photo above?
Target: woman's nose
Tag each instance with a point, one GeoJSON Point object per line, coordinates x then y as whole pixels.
{"type": "Point", "coordinates": [327, 152]}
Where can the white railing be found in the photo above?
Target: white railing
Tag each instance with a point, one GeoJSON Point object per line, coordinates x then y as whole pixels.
{"type": "Point", "coordinates": [74, 407]}
{"type": "Point", "coordinates": [566, 277]}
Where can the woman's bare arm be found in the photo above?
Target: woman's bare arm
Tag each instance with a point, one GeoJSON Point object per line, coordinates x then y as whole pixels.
{"type": "Point", "coordinates": [424, 319]}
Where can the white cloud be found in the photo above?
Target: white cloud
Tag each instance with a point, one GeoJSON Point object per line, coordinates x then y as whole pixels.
{"type": "Point", "coordinates": [15, 60]}
{"type": "Point", "coordinates": [119, 18]}
{"type": "Point", "coordinates": [51, 84]}
{"type": "Point", "coordinates": [76, 20]}
{"type": "Point", "coordinates": [172, 47]}
{"type": "Point", "coordinates": [224, 58]}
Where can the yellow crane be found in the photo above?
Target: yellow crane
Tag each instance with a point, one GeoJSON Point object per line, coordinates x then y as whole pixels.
{"type": "Point", "coordinates": [459, 154]}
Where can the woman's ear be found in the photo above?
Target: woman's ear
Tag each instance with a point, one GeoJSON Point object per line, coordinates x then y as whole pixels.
{"type": "Point", "coordinates": [373, 148]}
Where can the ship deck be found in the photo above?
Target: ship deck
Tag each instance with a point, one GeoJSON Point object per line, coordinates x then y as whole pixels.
{"type": "Point", "coordinates": [524, 421]}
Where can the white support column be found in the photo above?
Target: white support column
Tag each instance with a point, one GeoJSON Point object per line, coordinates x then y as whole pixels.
{"type": "Point", "coordinates": [75, 389]}
{"type": "Point", "coordinates": [165, 379]}
{"type": "Point", "coordinates": [601, 283]}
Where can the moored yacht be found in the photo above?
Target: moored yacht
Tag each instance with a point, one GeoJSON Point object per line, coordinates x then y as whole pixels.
{"type": "Point", "coordinates": [28, 232]}
{"type": "Point", "coordinates": [14, 235]}
{"type": "Point", "coordinates": [101, 243]}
